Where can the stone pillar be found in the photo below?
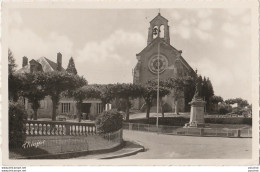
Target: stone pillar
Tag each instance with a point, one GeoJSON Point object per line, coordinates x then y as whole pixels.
{"type": "Point", "coordinates": [167, 34]}
{"type": "Point", "coordinates": [150, 35]}
{"type": "Point", "coordinates": [196, 113]}
{"type": "Point", "coordinates": [25, 61]}
{"type": "Point", "coordinates": [59, 61]}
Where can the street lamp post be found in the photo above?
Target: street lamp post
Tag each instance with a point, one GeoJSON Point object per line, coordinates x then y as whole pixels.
{"type": "Point", "coordinates": [158, 84]}
{"type": "Point", "coordinates": [156, 32]}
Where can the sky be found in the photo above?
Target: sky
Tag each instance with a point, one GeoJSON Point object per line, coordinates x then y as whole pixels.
{"type": "Point", "coordinates": [104, 42]}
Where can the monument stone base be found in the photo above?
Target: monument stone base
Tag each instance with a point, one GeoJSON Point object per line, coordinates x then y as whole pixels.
{"type": "Point", "coordinates": [196, 114]}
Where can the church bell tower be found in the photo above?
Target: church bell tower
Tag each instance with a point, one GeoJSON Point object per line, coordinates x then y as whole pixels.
{"type": "Point", "coordinates": [158, 28]}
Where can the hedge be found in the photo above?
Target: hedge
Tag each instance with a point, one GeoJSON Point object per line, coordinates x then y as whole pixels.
{"type": "Point", "coordinates": [17, 128]}
{"type": "Point", "coordinates": [109, 121]}
{"type": "Point", "coordinates": [181, 121]}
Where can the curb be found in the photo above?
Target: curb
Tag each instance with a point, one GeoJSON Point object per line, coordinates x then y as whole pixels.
{"type": "Point", "coordinates": [124, 154]}
{"type": "Point", "coordinates": [142, 149]}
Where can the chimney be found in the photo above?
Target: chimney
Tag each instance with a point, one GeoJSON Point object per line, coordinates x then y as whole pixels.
{"type": "Point", "coordinates": [25, 61]}
{"type": "Point", "coordinates": [59, 61]}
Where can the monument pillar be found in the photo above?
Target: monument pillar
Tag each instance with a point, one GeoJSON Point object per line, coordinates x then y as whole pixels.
{"type": "Point", "coordinates": [197, 110]}
{"type": "Point", "coordinates": [196, 113]}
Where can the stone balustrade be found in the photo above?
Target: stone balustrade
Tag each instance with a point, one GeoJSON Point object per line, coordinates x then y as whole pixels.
{"type": "Point", "coordinates": [59, 128]}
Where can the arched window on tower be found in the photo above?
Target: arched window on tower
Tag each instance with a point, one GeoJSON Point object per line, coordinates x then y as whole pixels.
{"type": "Point", "coordinates": [155, 32]}
{"type": "Point", "coordinates": [161, 31]}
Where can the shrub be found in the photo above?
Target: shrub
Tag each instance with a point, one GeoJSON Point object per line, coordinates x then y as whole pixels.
{"type": "Point", "coordinates": [17, 116]}
{"type": "Point", "coordinates": [109, 121]}
{"type": "Point", "coordinates": [224, 109]}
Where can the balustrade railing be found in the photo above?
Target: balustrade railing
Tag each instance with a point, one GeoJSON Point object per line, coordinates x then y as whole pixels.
{"type": "Point", "coordinates": [59, 128]}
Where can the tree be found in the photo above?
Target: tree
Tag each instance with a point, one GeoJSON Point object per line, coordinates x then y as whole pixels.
{"type": "Point", "coordinates": [199, 83]}
{"type": "Point", "coordinates": [209, 92]}
{"type": "Point", "coordinates": [14, 80]}
{"type": "Point", "coordinates": [82, 93]}
{"type": "Point", "coordinates": [125, 92]}
{"type": "Point", "coordinates": [178, 86]}
{"type": "Point", "coordinates": [15, 86]}
{"type": "Point", "coordinates": [56, 82]}
{"type": "Point", "coordinates": [71, 67]}
{"type": "Point", "coordinates": [11, 63]}
{"type": "Point", "coordinates": [150, 92]}
{"type": "Point", "coordinates": [216, 99]}
{"type": "Point", "coordinates": [106, 94]}
{"type": "Point", "coordinates": [240, 102]}
{"type": "Point", "coordinates": [189, 91]}
{"type": "Point", "coordinates": [224, 108]}
{"type": "Point", "coordinates": [177, 90]}
{"type": "Point", "coordinates": [205, 89]}
{"type": "Point", "coordinates": [214, 103]}
{"type": "Point", "coordinates": [33, 91]}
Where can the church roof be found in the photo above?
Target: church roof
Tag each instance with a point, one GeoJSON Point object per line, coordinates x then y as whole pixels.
{"type": "Point", "coordinates": [158, 17]}
{"type": "Point", "coordinates": [47, 66]}
{"type": "Point", "coordinates": [156, 41]}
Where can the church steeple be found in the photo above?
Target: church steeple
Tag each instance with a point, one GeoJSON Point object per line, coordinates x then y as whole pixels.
{"type": "Point", "coordinates": [158, 28]}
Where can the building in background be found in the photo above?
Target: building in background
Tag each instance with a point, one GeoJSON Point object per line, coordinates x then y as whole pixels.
{"type": "Point", "coordinates": [67, 106]}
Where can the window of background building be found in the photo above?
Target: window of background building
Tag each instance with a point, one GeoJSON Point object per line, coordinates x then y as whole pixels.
{"type": "Point", "coordinates": [65, 107]}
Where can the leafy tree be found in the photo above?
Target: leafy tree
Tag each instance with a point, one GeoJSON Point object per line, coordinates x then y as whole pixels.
{"type": "Point", "coordinates": [14, 80]}
{"type": "Point", "coordinates": [178, 87]}
{"type": "Point", "coordinates": [71, 67]}
{"type": "Point", "coordinates": [33, 90]}
{"type": "Point", "coordinates": [240, 102]}
{"type": "Point", "coordinates": [199, 82]}
{"type": "Point", "coordinates": [205, 89]}
{"type": "Point", "coordinates": [224, 108]}
{"type": "Point", "coordinates": [216, 99]}
{"type": "Point", "coordinates": [209, 93]}
{"type": "Point", "coordinates": [189, 91]}
{"type": "Point", "coordinates": [56, 82]}
{"type": "Point", "coordinates": [125, 92]}
{"type": "Point", "coordinates": [106, 94]}
{"type": "Point", "coordinates": [82, 93]}
{"type": "Point", "coordinates": [11, 63]}
{"type": "Point", "coordinates": [150, 92]}
{"type": "Point", "coordinates": [15, 86]}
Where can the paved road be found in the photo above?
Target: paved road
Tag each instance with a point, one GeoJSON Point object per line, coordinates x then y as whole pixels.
{"type": "Point", "coordinates": [188, 147]}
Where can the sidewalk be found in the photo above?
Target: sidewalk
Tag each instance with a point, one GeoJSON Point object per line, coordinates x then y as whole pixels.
{"type": "Point", "coordinates": [130, 148]}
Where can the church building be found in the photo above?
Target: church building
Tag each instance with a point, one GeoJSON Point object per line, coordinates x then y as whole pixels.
{"type": "Point", "coordinates": [171, 63]}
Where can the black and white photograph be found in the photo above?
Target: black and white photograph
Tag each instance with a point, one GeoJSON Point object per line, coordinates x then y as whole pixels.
{"type": "Point", "coordinates": [115, 85]}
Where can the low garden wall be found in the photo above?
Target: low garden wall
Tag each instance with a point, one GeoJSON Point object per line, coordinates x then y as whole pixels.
{"type": "Point", "coordinates": [180, 121]}
{"type": "Point", "coordinates": [46, 139]}
{"type": "Point", "coordinates": [212, 131]}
